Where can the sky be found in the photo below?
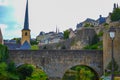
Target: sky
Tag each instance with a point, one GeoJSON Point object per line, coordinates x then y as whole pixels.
{"type": "Point", "coordinates": [46, 15]}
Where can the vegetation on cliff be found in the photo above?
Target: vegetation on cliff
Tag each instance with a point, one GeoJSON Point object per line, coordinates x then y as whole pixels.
{"type": "Point", "coordinates": [66, 34]}
{"type": "Point", "coordinates": [115, 16]}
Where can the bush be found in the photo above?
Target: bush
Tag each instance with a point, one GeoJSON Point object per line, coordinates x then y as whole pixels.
{"type": "Point", "coordinates": [66, 34]}
{"type": "Point", "coordinates": [25, 71]}
{"type": "Point", "coordinates": [3, 53]}
{"type": "Point", "coordinates": [115, 16]}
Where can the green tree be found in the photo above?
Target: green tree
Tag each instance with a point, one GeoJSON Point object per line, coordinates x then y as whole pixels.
{"type": "Point", "coordinates": [66, 34]}
{"type": "Point", "coordinates": [25, 71]}
{"type": "Point", "coordinates": [37, 74]}
{"type": "Point", "coordinates": [3, 53]}
{"type": "Point", "coordinates": [18, 40]}
{"type": "Point", "coordinates": [3, 71]}
{"type": "Point", "coordinates": [115, 16]}
{"type": "Point", "coordinates": [33, 42]}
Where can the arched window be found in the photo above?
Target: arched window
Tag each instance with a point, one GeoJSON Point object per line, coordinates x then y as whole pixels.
{"type": "Point", "coordinates": [25, 33]}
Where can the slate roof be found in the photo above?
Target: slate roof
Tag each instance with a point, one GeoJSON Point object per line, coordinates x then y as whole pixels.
{"type": "Point", "coordinates": [12, 46]}
{"type": "Point", "coordinates": [26, 22]}
{"type": "Point", "coordinates": [25, 46]}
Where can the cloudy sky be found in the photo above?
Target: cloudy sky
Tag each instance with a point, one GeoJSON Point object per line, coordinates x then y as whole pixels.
{"type": "Point", "coordinates": [46, 15]}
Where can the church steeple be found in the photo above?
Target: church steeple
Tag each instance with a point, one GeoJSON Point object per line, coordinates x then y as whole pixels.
{"type": "Point", "coordinates": [26, 31]}
{"type": "Point", "coordinates": [26, 21]}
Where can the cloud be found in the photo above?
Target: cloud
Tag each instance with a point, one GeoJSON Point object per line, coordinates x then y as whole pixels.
{"type": "Point", "coordinates": [4, 2]}
{"type": "Point", "coordinates": [8, 22]}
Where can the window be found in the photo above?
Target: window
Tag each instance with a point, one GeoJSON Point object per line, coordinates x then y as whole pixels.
{"type": "Point", "coordinates": [25, 33]}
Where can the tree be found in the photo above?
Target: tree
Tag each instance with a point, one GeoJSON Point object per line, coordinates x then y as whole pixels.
{"type": "Point", "coordinates": [18, 40]}
{"type": "Point", "coordinates": [33, 42]}
{"type": "Point", "coordinates": [115, 16]}
{"type": "Point", "coordinates": [25, 71]}
{"type": "Point", "coordinates": [66, 34]}
{"type": "Point", "coordinates": [37, 74]}
{"type": "Point", "coordinates": [3, 53]}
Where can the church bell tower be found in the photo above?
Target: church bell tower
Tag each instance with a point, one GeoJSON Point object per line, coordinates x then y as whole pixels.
{"type": "Point", "coordinates": [26, 31]}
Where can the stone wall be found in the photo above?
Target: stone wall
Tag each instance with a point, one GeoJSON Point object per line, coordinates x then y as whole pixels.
{"type": "Point", "coordinates": [83, 37]}
{"type": "Point", "coordinates": [56, 62]}
{"type": "Point", "coordinates": [107, 46]}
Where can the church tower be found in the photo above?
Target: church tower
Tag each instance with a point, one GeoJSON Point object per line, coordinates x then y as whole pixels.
{"type": "Point", "coordinates": [26, 31]}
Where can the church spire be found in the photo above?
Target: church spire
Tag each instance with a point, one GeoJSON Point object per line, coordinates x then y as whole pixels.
{"type": "Point", "coordinates": [26, 31]}
{"type": "Point", "coordinates": [26, 22]}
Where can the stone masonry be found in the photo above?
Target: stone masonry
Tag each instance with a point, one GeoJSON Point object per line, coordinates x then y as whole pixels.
{"type": "Point", "coordinates": [56, 62]}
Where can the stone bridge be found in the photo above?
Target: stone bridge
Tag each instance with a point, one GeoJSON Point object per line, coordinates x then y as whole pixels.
{"type": "Point", "coordinates": [56, 62]}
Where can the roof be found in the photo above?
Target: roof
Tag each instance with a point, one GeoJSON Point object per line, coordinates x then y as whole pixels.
{"type": "Point", "coordinates": [89, 20]}
{"type": "Point", "coordinates": [26, 22]}
{"type": "Point", "coordinates": [25, 46]}
{"type": "Point", "coordinates": [12, 46]}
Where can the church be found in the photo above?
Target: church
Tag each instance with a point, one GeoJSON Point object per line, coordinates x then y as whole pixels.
{"type": "Point", "coordinates": [25, 39]}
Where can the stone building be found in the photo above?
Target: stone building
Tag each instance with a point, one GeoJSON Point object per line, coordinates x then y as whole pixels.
{"type": "Point", "coordinates": [1, 37]}
{"type": "Point", "coordinates": [108, 46]}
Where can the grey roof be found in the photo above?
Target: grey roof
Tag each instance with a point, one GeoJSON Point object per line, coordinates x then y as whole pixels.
{"type": "Point", "coordinates": [89, 20]}
{"type": "Point", "coordinates": [25, 46]}
{"type": "Point", "coordinates": [12, 46]}
{"type": "Point", "coordinates": [26, 22]}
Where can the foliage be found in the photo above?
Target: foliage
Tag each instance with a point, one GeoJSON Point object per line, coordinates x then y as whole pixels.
{"type": "Point", "coordinates": [115, 16]}
{"type": "Point", "coordinates": [6, 70]}
{"type": "Point", "coordinates": [80, 73]}
{"type": "Point", "coordinates": [98, 46]}
{"type": "Point", "coordinates": [30, 72]}
{"type": "Point", "coordinates": [66, 34]}
{"type": "Point", "coordinates": [96, 43]}
{"type": "Point", "coordinates": [25, 71]}
{"type": "Point", "coordinates": [33, 42]}
{"type": "Point", "coordinates": [37, 74]}
{"type": "Point", "coordinates": [100, 34]}
{"type": "Point", "coordinates": [3, 71]}
{"type": "Point", "coordinates": [5, 74]}
{"type": "Point", "coordinates": [34, 47]}
{"type": "Point", "coordinates": [88, 25]}
{"type": "Point", "coordinates": [18, 40]}
{"type": "Point", "coordinates": [11, 67]}
{"type": "Point", "coordinates": [105, 24]}
{"type": "Point", "coordinates": [3, 53]}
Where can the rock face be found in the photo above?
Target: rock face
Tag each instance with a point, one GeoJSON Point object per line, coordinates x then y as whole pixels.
{"type": "Point", "coordinates": [107, 46]}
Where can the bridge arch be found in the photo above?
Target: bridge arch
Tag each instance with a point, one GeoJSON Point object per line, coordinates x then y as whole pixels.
{"type": "Point", "coordinates": [33, 69]}
{"type": "Point", "coordinates": [77, 70]}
